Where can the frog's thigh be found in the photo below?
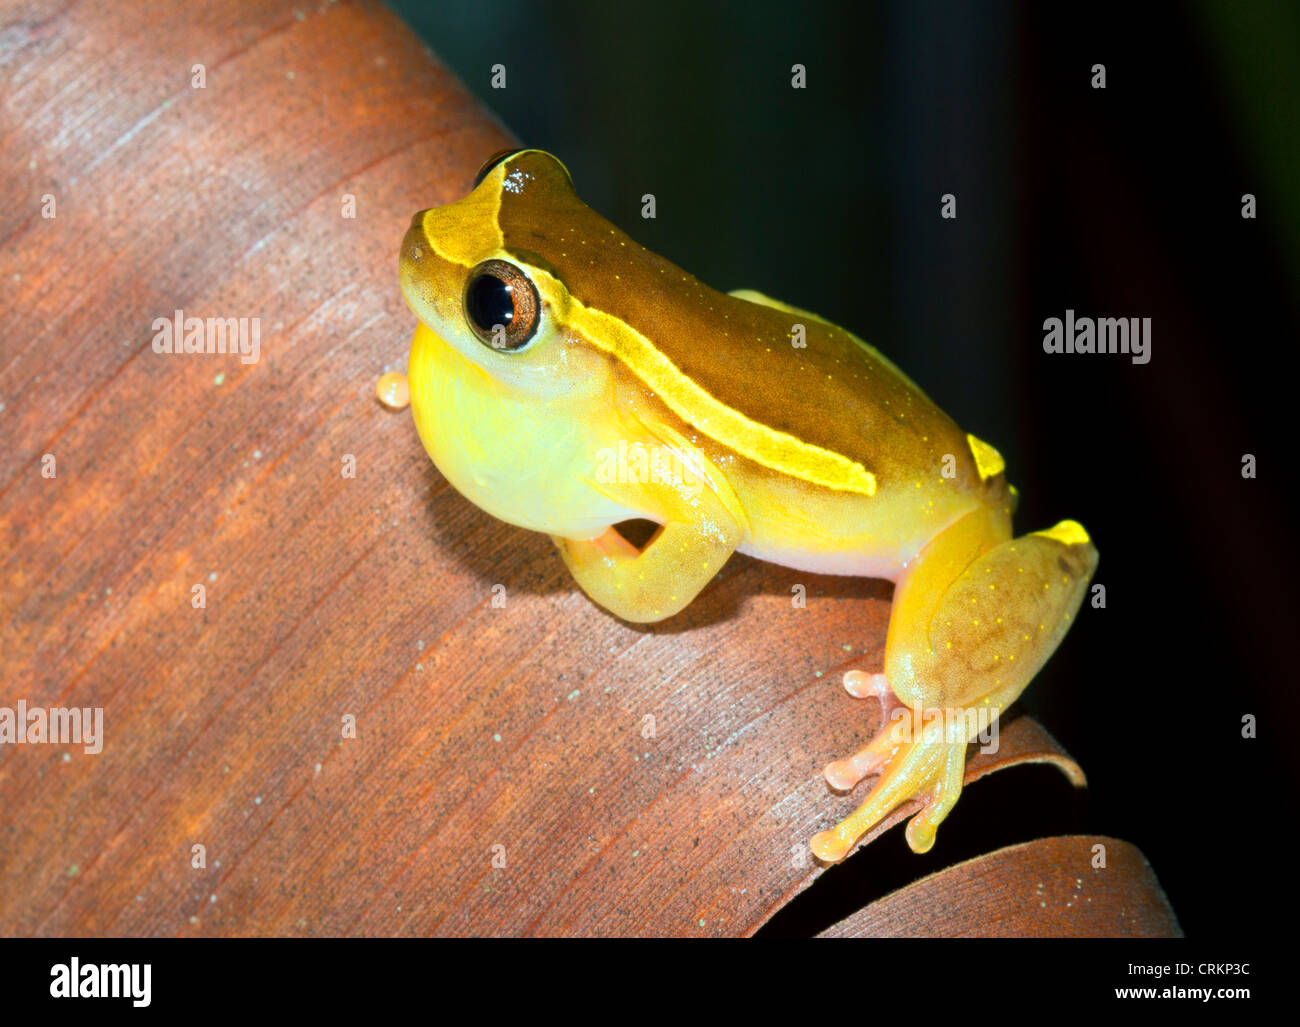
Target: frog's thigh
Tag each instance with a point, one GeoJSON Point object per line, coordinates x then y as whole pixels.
{"type": "Point", "coordinates": [650, 584]}
{"type": "Point", "coordinates": [975, 617]}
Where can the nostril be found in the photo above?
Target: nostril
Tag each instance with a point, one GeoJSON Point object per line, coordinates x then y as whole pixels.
{"type": "Point", "coordinates": [413, 243]}
{"type": "Point", "coordinates": [417, 219]}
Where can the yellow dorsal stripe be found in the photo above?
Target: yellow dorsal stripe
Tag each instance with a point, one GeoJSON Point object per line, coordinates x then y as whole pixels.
{"type": "Point", "coordinates": [767, 446]}
{"type": "Point", "coordinates": [1071, 533]}
{"type": "Point", "coordinates": [988, 461]}
{"type": "Point", "coordinates": [462, 231]}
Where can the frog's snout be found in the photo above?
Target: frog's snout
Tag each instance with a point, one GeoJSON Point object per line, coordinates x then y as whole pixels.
{"type": "Point", "coordinates": [413, 245]}
{"type": "Point", "coordinates": [415, 262]}
{"type": "Point", "coordinates": [412, 263]}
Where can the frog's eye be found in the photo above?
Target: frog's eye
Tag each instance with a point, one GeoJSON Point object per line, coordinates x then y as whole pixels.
{"type": "Point", "coordinates": [492, 162]}
{"type": "Point", "coordinates": [501, 305]}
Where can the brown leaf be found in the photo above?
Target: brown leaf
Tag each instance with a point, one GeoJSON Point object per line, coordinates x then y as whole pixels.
{"type": "Point", "coordinates": [1047, 888]}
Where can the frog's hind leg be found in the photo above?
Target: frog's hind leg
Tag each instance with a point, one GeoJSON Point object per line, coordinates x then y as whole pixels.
{"type": "Point", "coordinates": [975, 616]}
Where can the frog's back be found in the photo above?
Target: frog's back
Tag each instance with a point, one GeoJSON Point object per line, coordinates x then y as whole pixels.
{"type": "Point", "coordinates": [834, 405]}
{"type": "Point", "coordinates": [834, 391]}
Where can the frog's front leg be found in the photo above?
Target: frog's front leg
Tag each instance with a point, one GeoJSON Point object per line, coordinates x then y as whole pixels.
{"type": "Point", "coordinates": [700, 529]}
{"type": "Point", "coordinates": [976, 614]}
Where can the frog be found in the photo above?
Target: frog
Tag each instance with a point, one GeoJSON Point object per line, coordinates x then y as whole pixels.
{"type": "Point", "coordinates": [549, 346]}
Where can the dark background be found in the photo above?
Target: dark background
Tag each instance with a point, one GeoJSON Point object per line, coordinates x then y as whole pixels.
{"type": "Point", "coordinates": [1123, 201]}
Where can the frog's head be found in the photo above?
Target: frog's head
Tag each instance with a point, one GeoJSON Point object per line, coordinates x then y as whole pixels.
{"type": "Point", "coordinates": [476, 273]}
{"type": "Point", "coordinates": [509, 382]}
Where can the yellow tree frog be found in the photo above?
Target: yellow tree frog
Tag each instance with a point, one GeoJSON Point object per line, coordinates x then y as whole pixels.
{"type": "Point", "coordinates": [549, 340]}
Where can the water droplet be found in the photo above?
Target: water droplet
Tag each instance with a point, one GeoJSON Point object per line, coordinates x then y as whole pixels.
{"type": "Point", "coordinates": [393, 391]}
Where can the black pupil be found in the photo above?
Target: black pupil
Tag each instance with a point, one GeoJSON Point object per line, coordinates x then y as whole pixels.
{"type": "Point", "coordinates": [490, 303]}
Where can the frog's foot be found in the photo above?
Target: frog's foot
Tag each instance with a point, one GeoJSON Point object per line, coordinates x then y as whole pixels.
{"type": "Point", "coordinates": [912, 764]}
{"type": "Point", "coordinates": [843, 775]}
